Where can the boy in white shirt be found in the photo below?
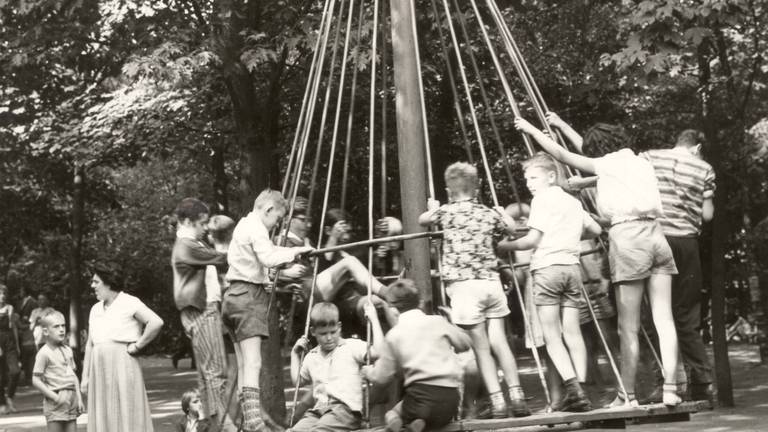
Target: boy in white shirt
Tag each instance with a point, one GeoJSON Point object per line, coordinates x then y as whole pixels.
{"type": "Point", "coordinates": [639, 255]}
{"type": "Point", "coordinates": [557, 223]}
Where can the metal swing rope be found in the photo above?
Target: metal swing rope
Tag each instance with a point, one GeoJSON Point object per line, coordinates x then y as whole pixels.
{"type": "Point", "coordinates": [536, 98]}
{"type": "Point", "coordinates": [327, 185]}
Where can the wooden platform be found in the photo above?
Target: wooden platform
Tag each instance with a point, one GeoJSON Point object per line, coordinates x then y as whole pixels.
{"type": "Point", "coordinates": [613, 418]}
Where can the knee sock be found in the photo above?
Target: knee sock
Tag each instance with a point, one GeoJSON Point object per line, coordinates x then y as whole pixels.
{"type": "Point", "coordinates": [251, 404]}
{"type": "Point", "coordinates": [516, 393]}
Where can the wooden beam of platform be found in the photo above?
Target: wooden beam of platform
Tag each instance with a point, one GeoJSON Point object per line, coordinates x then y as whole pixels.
{"type": "Point", "coordinates": [610, 417]}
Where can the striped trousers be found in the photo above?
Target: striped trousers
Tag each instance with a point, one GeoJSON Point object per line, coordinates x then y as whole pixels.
{"type": "Point", "coordinates": [204, 329]}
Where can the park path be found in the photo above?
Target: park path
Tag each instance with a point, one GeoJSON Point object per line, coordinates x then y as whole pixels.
{"type": "Point", "coordinates": [165, 385]}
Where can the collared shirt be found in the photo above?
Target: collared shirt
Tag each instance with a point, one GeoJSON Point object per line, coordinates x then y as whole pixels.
{"type": "Point", "coordinates": [56, 367]}
{"type": "Point", "coordinates": [251, 252]}
{"type": "Point", "coordinates": [626, 187]}
{"type": "Point", "coordinates": [470, 230]}
{"type": "Point", "coordinates": [684, 182]}
{"type": "Point", "coordinates": [117, 322]}
{"type": "Point", "coordinates": [422, 347]}
{"type": "Point", "coordinates": [336, 374]}
{"type": "Point", "coordinates": [189, 259]}
{"type": "Point", "coordinates": [561, 219]}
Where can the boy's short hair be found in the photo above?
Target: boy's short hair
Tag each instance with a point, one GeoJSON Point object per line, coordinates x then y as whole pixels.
{"type": "Point", "coordinates": [602, 139]}
{"type": "Point", "coordinates": [461, 177]}
{"type": "Point", "coordinates": [691, 137]}
{"type": "Point", "coordinates": [518, 210]}
{"type": "Point", "coordinates": [334, 216]}
{"type": "Point", "coordinates": [221, 227]}
{"type": "Point", "coordinates": [403, 295]}
{"type": "Point", "coordinates": [544, 161]}
{"type": "Point", "coordinates": [186, 399]}
{"type": "Point", "coordinates": [192, 209]}
{"type": "Point", "coordinates": [47, 316]}
{"type": "Point", "coordinates": [324, 314]}
{"type": "Point", "coordinates": [270, 196]}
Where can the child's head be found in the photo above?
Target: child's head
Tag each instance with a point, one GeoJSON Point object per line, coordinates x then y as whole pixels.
{"type": "Point", "coordinates": [461, 180]}
{"type": "Point", "coordinates": [403, 295]}
{"type": "Point", "coordinates": [336, 224]}
{"type": "Point", "coordinates": [541, 172]}
{"type": "Point", "coordinates": [603, 138]}
{"type": "Point", "coordinates": [325, 326]}
{"type": "Point", "coordinates": [692, 140]}
{"type": "Point", "coordinates": [220, 229]}
{"type": "Point", "coordinates": [271, 207]}
{"type": "Point", "coordinates": [193, 214]}
{"type": "Point", "coordinates": [190, 403]}
{"type": "Point", "coordinates": [54, 326]}
{"type": "Point", "coordinates": [519, 212]}
{"type": "Point", "coordinates": [300, 222]}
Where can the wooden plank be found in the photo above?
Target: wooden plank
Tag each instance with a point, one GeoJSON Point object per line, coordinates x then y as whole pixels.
{"type": "Point", "coordinates": [605, 417]}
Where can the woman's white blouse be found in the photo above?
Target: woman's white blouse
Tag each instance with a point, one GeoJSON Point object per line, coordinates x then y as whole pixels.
{"type": "Point", "coordinates": [116, 323]}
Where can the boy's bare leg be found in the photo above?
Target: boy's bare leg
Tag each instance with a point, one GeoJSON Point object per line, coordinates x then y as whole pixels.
{"type": "Point", "coordinates": [348, 269]}
{"type": "Point", "coordinates": [254, 418]}
{"type": "Point", "coordinates": [497, 338]}
{"type": "Point", "coordinates": [629, 296]}
{"type": "Point", "coordinates": [61, 426]}
{"type": "Point", "coordinates": [553, 337]}
{"type": "Point", "coordinates": [660, 294]}
{"type": "Point", "coordinates": [480, 344]}
{"type": "Point", "coordinates": [574, 340]}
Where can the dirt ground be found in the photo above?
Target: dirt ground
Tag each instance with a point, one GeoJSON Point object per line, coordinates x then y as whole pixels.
{"type": "Point", "coordinates": [165, 385]}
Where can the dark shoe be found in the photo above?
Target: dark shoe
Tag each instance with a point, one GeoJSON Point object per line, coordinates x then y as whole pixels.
{"type": "Point", "coordinates": [518, 408]}
{"type": "Point", "coordinates": [417, 425]}
{"type": "Point", "coordinates": [574, 399]}
{"type": "Point", "coordinates": [653, 397]}
{"type": "Point", "coordinates": [702, 392]}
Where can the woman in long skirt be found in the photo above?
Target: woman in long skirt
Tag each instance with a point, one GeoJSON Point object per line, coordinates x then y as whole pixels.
{"type": "Point", "coordinates": [120, 325]}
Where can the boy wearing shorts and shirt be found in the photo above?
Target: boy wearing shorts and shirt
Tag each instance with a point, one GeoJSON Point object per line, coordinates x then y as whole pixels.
{"type": "Point", "coordinates": [472, 283]}
{"type": "Point", "coordinates": [54, 376]}
{"type": "Point", "coordinates": [639, 255]}
{"type": "Point", "coordinates": [333, 370]}
{"type": "Point", "coordinates": [557, 223]}
{"type": "Point", "coordinates": [244, 306]}
{"type": "Point", "coordinates": [424, 348]}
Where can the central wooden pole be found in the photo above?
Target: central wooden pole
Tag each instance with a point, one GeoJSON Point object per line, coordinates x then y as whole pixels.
{"type": "Point", "coordinates": [410, 144]}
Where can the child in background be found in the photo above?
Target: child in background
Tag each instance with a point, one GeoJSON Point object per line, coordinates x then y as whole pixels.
{"type": "Point", "coordinates": [469, 264]}
{"type": "Point", "coordinates": [639, 255]}
{"type": "Point", "coordinates": [54, 376]}
{"type": "Point", "coordinates": [333, 370]}
{"type": "Point", "coordinates": [557, 223]}
{"type": "Point", "coordinates": [191, 421]}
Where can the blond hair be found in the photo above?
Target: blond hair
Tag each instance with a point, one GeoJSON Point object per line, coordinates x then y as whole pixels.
{"type": "Point", "coordinates": [545, 162]}
{"type": "Point", "coordinates": [461, 177]}
{"type": "Point", "coordinates": [269, 197]}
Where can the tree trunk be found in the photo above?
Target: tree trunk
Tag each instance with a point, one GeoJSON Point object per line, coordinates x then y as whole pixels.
{"type": "Point", "coordinates": [76, 259]}
{"type": "Point", "coordinates": [220, 180]}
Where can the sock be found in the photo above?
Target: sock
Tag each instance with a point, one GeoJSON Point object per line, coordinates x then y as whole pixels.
{"type": "Point", "coordinates": [251, 404]}
{"type": "Point", "coordinates": [516, 393]}
{"type": "Point", "coordinates": [497, 399]}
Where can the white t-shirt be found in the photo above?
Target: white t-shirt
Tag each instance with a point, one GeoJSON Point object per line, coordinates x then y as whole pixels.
{"type": "Point", "coordinates": [626, 187]}
{"type": "Point", "coordinates": [117, 322]}
{"type": "Point", "coordinates": [561, 219]}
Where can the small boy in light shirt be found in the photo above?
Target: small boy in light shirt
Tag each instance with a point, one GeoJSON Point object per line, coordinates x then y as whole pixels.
{"type": "Point", "coordinates": [640, 257]}
{"type": "Point", "coordinates": [424, 348]}
{"type": "Point", "coordinates": [333, 370]}
{"type": "Point", "coordinates": [557, 223]}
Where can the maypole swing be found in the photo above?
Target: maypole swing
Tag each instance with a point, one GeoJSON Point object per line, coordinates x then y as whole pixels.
{"type": "Point", "coordinates": [414, 152]}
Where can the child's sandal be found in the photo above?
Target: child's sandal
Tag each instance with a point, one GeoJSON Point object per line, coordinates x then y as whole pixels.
{"type": "Point", "coordinates": [669, 395]}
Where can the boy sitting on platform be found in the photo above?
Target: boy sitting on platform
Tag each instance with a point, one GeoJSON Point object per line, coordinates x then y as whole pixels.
{"type": "Point", "coordinates": [424, 349]}
{"type": "Point", "coordinates": [333, 369]}
{"type": "Point", "coordinates": [477, 297]}
{"type": "Point", "coordinates": [557, 223]}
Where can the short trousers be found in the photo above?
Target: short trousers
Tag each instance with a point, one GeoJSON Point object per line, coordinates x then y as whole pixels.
{"type": "Point", "coordinates": [639, 249]}
{"type": "Point", "coordinates": [63, 409]}
{"type": "Point", "coordinates": [435, 405]}
{"type": "Point", "coordinates": [557, 285]}
{"type": "Point", "coordinates": [244, 310]}
{"type": "Point", "coordinates": [476, 300]}
{"type": "Point", "coordinates": [336, 417]}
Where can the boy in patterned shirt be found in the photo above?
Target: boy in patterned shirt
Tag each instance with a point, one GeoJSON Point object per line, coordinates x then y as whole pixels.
{"type": "Point", "coordinates": [472, 283]}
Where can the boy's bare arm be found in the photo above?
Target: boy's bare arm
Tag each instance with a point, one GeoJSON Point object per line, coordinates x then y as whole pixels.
{"type": "Point", "coordinates": [377, 346]}
{"type": "Point", "coordinates": [577, 161]}
{"type": "Point", "coordinates": [459, 338]}
{"type": "Point", "coordinates": [509, 223]}
{"type": "Point", "coordinates": [44, 389]}
{"type": "Point", "coordinates": [382, 371]}
{"type": "Point", "coordinates": [591, 229]}
{"type": "Point", "coordinates": [569, 132]}
{"type": "Point", "coordinates": [428, 217]}
{"type": "Point", "coordinates": [528, 241]}
{"type": "Point", "coordinates": [301, 345]}
{"type": "Point", "coordinates": [707, 209]}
